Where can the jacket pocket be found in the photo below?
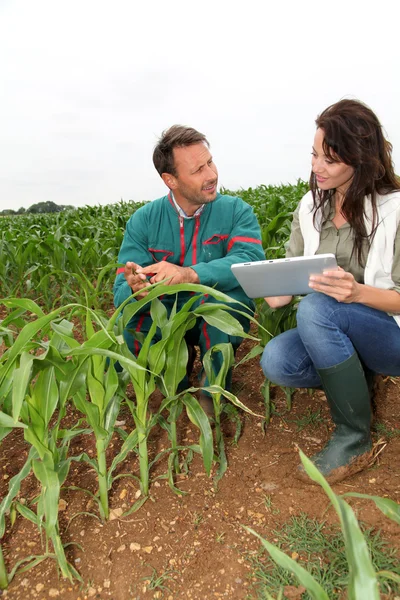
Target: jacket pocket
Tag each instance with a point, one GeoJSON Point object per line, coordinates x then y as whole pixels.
{"type": "Point", "coordinates": [160, 255]}
{"type": "Point", "coordinates": [217, 238]}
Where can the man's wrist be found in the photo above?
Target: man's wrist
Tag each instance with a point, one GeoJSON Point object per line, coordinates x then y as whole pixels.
{"type": "Point", "coordinates": [192, 276]}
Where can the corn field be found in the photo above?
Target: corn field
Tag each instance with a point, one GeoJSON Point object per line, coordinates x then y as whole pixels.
{"type": "Point", "coordinates": [63, 352]}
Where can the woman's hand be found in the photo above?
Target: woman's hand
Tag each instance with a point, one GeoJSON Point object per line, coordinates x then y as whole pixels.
{"type": "Point", "coordinates": [278, 301]}
{"type": "Point", "coordinates": [338, 284]}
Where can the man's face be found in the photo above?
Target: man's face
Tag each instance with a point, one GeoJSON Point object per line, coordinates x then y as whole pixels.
{"type": "Point", "coordinates": [197, 177]}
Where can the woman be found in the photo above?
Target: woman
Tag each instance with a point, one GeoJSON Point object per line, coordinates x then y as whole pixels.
{"type": "Point", "coordinates": [351, 327]}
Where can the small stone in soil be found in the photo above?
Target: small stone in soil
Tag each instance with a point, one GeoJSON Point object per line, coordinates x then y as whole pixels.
{"type": "Point", "coordinates": [134, 547]}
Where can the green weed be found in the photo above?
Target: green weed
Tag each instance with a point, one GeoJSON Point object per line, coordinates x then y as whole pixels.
{"type": "Point", "coordinates": [321, 550]}
{"type": "Point", "coordinates": [310, 418]}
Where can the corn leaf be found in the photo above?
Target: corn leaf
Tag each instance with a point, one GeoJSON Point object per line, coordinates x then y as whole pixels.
{"type": "Point", "coordinates": [362, 577]}
{"type": "Point", "coordinates": [286, 562]}
{"type": "Point", "coordinates": [50, 493]}
{"type": "Point", "coordinates": [7, 421]}
{"type": "Point", "coordinates": [200, 420]}
{"type": "Point", "coordinates": [20, 383]}
{"type": "Point", "coordinates": [388, 507]}
{"type": "Point", "coordinates": [14, 487]}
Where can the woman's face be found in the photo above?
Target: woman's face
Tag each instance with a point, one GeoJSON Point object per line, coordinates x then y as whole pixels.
{"type": "Point", "coordinates": [329, 175]}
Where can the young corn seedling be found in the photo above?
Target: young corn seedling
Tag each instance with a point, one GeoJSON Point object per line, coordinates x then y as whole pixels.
{"type": "Point", "coordinates": [219, 379]}
{"type": "Point", "coordinates": [164, 353]}
{"type": "Point", "coordinates": [3, 572]}
{"type": "Point", "coordinates": [217, 315]}
{"type": "Point", "coordinates": [363, 579]}
{"type": "Point", "coordinates": [144, 385]}
{"type": "Point", "coordinates": [35, 397]}
{"type": "Point", "coordinates": [173, 345]}
{"type": "Point", "coordinates": [98, 392]}
{"type": "Point", "coordinates": [216, 389]}
{"type": "Point", "coordinates": [272, 322]}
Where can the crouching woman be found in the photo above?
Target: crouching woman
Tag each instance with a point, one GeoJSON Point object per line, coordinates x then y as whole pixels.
{"type": "Point", "coordinates": [350, 328]}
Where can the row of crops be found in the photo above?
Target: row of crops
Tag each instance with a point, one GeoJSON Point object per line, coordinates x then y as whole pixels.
{"type": "Point", "coordinates": [68, 254]}
{"type": "Point", "coordinates": [66, 373]}
{"type": "Point", "coordinates": [64, 349]}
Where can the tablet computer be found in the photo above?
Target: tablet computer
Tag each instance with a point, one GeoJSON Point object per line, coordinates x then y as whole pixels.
{"type": "Point", "coordinates": [282, 276]}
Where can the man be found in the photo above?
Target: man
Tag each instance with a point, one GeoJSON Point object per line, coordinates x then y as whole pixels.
{"type": "Point", "coordinates": [192, 235]}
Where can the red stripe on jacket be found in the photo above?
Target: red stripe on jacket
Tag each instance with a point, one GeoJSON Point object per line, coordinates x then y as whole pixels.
{"type": "Point", "coordinates": [182, 236]}
{"type": "Point", "coordinates": [205, 332]}
{"type": "Point", "coordinates": [171, 201]}
{"type": "Point", "coordinates": [195, 236]}
{"type": "Point", "coordinates": [138, 328]}
{"type": "Point", "coordinates": [241, 238]}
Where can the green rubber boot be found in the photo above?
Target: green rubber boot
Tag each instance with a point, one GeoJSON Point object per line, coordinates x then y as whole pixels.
{"type": "Point", "coordinates": [349, 449]}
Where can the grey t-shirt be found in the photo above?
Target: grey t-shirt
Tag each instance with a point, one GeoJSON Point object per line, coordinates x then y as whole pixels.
{"type": "Point", "coordinates": [340, 243]}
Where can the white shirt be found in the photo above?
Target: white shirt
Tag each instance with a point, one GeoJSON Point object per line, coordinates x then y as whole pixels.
{"type": "Point", "coordinates": [182, 213]}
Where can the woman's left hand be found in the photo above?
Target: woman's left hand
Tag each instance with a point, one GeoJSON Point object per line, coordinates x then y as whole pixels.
{"type": "Point", "coordinates": [338, 284]}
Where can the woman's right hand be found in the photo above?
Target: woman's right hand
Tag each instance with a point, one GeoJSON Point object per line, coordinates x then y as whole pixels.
{"type": "Point", "coordinates": [278, 301]}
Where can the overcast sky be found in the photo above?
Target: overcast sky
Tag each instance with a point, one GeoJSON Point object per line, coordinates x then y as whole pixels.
{"type": "Point", "coordinates": [87, 86]}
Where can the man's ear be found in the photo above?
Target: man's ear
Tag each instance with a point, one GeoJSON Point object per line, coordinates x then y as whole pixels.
{"type": "Point", "coordinates": [169, 180]}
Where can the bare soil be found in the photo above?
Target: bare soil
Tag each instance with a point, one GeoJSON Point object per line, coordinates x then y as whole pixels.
{"type": "Point", "coordinates": [196, 543]}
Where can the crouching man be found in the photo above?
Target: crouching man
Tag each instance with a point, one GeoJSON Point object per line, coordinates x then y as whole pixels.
{"type": "Point", "coordinates": [191, 235]}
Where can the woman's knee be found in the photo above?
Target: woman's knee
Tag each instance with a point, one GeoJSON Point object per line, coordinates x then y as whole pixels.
{"type": "Point", "coordinates": [314, 307]}
{"type": "Point", "coordinates": [273, 359]}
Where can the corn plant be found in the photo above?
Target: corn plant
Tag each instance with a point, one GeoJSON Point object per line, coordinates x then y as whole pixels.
{"type": "Point", "coordinates": [31, 394]}
{"type": "Point", "coordinates": [166, 361]}
{"type": "Point", "coordinates": [173, 348]}
{"type": "Point", "coordinates": [96, 389]}
{"type": "Point", "coordinates": [272, 322]}
{"type": "Point", "coordinates": [217, 381]}
{"type": "Point", "coordinates": [3, 572]}
{"type": "Point", "coordinates": [6, 506]}
{"type": "Point", "coordinates": [363, 580]}
{"type": "Point", "coordinates": [40, 252]}
{"type": "Point", "coordinates": [75, 241]}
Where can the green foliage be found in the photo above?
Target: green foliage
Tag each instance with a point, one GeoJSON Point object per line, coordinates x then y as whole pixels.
{"type": "Point", "coordinates": [45, 207]}
{"type": "Point", "coordinates": [321, 548]}
{"type": "Point", "coordinates": [309, 418]}
{"type": "Point", "coordinates": [53, 255]}
{"type": "Point", "coordinates": [50, 363]}
{"type": "Point", "coordinates": [54, 358]}
{"type": "Point", "coordinates": [273, 207]}
{"type": "Point", "coordinates": [354, 560]}
{"type": "Point", "coordinates": [59, 255]}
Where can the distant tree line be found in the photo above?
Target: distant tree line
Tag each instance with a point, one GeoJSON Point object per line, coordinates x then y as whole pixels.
{"type": "Point", "coordinates": [39, 207]}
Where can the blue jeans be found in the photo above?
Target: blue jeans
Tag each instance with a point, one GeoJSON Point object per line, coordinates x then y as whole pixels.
{"type": "Point", "coordinates": [328, 332]}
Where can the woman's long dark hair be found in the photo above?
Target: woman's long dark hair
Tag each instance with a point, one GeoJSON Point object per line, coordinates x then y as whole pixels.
{"type": "Point", "coordinates": [353, 135]}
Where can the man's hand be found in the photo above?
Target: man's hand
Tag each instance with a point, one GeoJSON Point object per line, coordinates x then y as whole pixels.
{"type": "Point", "coordinates": [136, 281]}
{"type": "Point", "coordinates": [165, 270]}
